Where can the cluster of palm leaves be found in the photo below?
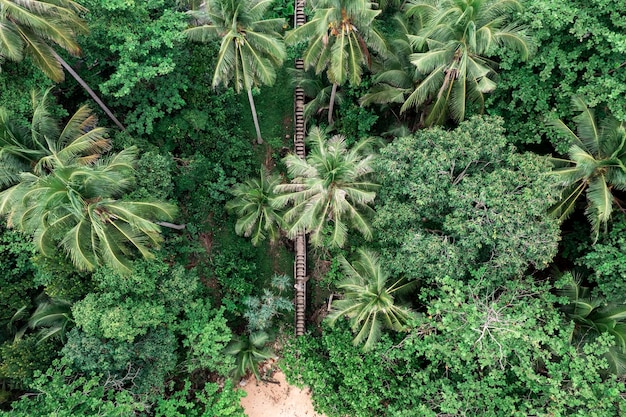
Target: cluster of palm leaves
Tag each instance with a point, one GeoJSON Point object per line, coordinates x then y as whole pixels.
{"type": "Point", "coordinates": [331, 188]}
{"type": "Point", "coordinates": [31, 28]}
{"type": "Point", "coordinates": [52, 318]}
{"type": "Point", "coordinates": [369, 301]}
{"type": "Point", "coordinates": [63, 193]}
{"type": "Point", "coordinates": [593, 317]}
{"type": "Point", "coordinates": [450, 46]}
{"type": "Point", "coordinates": [251, 48]}
{"type": "Point", "coordinates": [595, 165]}
{"type": "Point", "coordinates": [439, 62]}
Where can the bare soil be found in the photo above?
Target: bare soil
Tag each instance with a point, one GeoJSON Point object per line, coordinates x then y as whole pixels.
{"type": "Point", "coordinates": [267, 399]}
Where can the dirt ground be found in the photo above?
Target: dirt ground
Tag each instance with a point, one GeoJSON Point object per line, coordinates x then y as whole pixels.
{"type": "Point", "coordinates": [266, 399]}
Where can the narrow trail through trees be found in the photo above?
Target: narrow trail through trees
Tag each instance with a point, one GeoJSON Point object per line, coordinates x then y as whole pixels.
{"type": "Point", "coordinates": [300, 126]}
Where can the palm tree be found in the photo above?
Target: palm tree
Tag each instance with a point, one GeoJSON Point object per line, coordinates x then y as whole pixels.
{"type": "Point", "coordinates": [251, 47]}
{"type": "Point", "coordinates": [53, 317]}
{"type": "Point", "coordinates": [28, 27]}
{"type": "Point", "coordinates": [30, 149]}
{"type": "Point", "coordinates": [340, 36]}
{"type": "Point", "coordinates": [249, 351]}
{"type": "Point", "coordinates": [593, 317]}
{"type": "Point", "coordinates": [76, 207]}
{"type": "Point", "coordinates": [253, 206]}
{"type": "Point", "coordinates": [454, 43]}
{"type": "Point", "coordinates": [331, 186]}
{"type": "Point", "coordinates": [397, 77]}
{"type": "Point", "coordinates": [595, 165]}
{"type": "Point", "coordinates": [369, 301]}
{"type": "Point", "coordinates": [317, 89]}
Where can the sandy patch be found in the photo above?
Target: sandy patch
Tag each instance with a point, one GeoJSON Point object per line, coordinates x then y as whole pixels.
{"type": "Point", "coordinates": [267, 399]}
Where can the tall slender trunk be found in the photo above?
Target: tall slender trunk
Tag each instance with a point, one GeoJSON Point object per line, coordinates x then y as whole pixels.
{"type": "Point", "coordinates": [259, 139]}
{"type": "Point", "coordinates": [331, 105]}
{"type": "Point", "coordinates": [93, 95]}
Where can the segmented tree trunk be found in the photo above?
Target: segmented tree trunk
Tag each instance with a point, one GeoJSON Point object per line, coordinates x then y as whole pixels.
{"type": "Point", "coordinates": [300, 275]}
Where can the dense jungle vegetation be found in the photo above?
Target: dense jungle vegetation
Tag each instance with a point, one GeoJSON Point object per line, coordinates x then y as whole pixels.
{"type": "Point", "coordinates": [462, 194]}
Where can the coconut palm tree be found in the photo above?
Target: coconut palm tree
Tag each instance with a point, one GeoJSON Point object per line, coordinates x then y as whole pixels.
{"type": "Point", "coordinates": [396, 77]}
{"type": "Point", "coordinates": [29, 27]}
{"type": "Point", "coordinates": [251, 48]}
{"type": "Point", "coordinates": [253, 206]}
{"type": "Point", "coordinates": [77, 208]}
{"type": "Point", "coordinates": [316, 88]}
{"type": "Point", "coordinates": [595, 165]}
{"type": "Point", "coordinates": [340, 36]}
{"type": "Point", "coordinates": [31, 148]}
{"type": "Point", "coordinates": [453, 48]}
{"type": "Point", "coordinates": [331, 187]}
{"type": "Point", "coordinates": [592, 317]}
{"type": "Point", "coordinates": [368, 300]}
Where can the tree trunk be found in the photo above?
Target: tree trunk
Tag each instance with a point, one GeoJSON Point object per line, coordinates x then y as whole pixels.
{"type": "Point", "coordinates": [93, 95]}
{"type": "Point", "coordinates": [259, 139]}
{"type": "Point", "coordinates": [171, 225]}
{"type": "Point", "coordinates": [331, 105]}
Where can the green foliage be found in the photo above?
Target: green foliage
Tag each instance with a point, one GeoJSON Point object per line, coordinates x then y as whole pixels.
{"type": "Point", "coordinates": [22, 358]}
{"type": "Point", "coordinates": [261, 311]}
{"type": "Point", "coordinates": [16, 272]}
{"type": "Point", "coordinates": [235, 267]}
{"type": "Point", "coordinates": [212, 401]}
{"type": "Point", "coordinates": [341, 36]}
{"type": "Point", "coordinates": [466, 197]}
{"type": "Point", "coordinates": [60, 278]}
{"type": "Point", "coordinates": [73, 202]}
{"type": "Point", "coordinates": [369, 300]}
{"type": "Point", "coordinates": [606, 259]}
{"type": "Point", "coordinates": [355, 121]}
{"type": "Point", "coordinates": [154, 177]}
{"type": "Point", "coordinates": [32, 28]}
{"type": "Point", "coordinates": [454, 43]}
{"type": "Point", "coordinates": [595, 166]}
{"type": "Point", "coordinates": [60, 393]}
{"type": "Point", "coordinates": [581, 54]}
{"type": "Point", "coordinates": [253, 204]}
{"type": "Point", "coordinates": [594, 317]}
{"type": "Point", "coordinates": [331, 188]}
{"type": "Point", "coordinates": [140, 48]}
{"type": "Point", "coordinates": [249, 351]}
{"type": "Point", "coordinates": [15, 80]}
{"type": "Point", "coordinates": [251, 47]}
{"type": "Point", "coordinates": [206, 334]}
{"type": "Point", "coordinates": [204, 186]}
{"type": "Point", "coordinates": [125, 307]}
{"type": "Point", "coordinates": [474, 352]}
{"type": "Point", "coordinates": [43, 144]}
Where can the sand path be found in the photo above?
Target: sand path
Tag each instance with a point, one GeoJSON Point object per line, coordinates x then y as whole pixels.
{"type": "Point", "coordinates": [276, 400]}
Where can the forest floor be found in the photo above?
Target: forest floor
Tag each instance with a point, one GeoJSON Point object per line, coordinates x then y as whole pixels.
{"type": "Point", "coordinates": [268, 399]}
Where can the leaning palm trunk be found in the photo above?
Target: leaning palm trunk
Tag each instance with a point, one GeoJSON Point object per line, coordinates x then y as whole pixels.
{"type": "Point", "coordinates": [259, 139]}
{"type": "Point", "coordinates": [331, 105]}
{"type": "Point", "coordinates": [92, 93]}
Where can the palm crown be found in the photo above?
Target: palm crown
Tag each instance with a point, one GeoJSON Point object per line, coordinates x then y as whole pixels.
{"type": "Point", "coordinates": [368, 300]}
{"type": "Point", "coordinates": [454, 44]}
{"type": "Point", "coordinates": [331, 186]}
{"type": "Point", "coordinates": [595, 165]}
{"type": "Point", "coordinates": [45, 144]}
{"type": "Point", "coordinates": [251, 47]}
{"type": "Point", "coordinates": [339, 37]}
{"type": "Point", "coordinates": [252, 203]}
{"type": "Point", "coordinates": [28, 26]}
{"type": "Point", "coordinates": [76, 207]}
